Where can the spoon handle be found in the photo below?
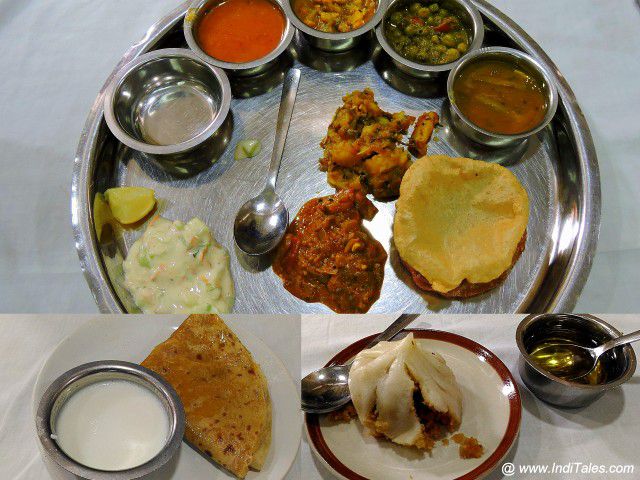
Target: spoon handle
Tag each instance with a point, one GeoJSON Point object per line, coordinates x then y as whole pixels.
{"type": "Point", "coordinates": [624, 339]}
{"type": "Point", "coordinates": [289, 92]}
{"type": "Point", "coordinates": [390, 332]}
{"type": "Point", "coordinates": [393, 329]}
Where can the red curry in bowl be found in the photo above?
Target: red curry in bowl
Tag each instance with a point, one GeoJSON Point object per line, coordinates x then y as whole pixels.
{"type": "Point", "coordinates": [241, 31]}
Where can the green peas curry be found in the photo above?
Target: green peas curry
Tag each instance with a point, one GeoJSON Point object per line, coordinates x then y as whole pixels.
{"type": "Point", "coordinates": [426, 32]}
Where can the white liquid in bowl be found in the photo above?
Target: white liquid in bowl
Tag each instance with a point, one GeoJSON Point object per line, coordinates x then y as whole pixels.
{"type": "Point", "coordinates": [112, 425]}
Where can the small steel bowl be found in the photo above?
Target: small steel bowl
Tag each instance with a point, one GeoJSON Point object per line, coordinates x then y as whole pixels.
{"type": "Point", "coordinates": [531, 66]}
{"type": "Point", "coordinates": [472, 20]}
{"type": "Point", "coordinates": [199, 8]}
{"type": "Point", "coordinates": [170, 105]}
{"type": "Point", "coordinates": [334, 42]}
{"type": "Point", "coordinates": [619, 364]}
{"type": "Point", "coordinates": [62, 466]}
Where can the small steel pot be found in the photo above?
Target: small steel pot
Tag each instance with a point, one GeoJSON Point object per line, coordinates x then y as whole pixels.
{"type": "Point", "coordinates": [587, 330]}
{"type": "Point", "coordinates": [171, 106]}
{"type": "Point", "coordinates": [472, 20]}
{"type": "Point", "coordinates": [199, 8]}
{"type": "Point", "coordinates": [334, 42]}
{"type": "Point", "coordinates": [63, 467]}
{"type": "Point", "coordinates": [527, 63]}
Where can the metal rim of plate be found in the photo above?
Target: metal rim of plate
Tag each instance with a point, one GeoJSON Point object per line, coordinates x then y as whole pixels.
{"type": "Point", "coordinates": [574, 233]}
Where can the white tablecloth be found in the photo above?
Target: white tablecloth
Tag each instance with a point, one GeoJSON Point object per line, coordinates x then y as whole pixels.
{"type": "Point", "coordinates": [604, 433]}
{"type": "Point", "coordinates": [56, 55]}
{"type": "Point", "coordinates": [26, 341]}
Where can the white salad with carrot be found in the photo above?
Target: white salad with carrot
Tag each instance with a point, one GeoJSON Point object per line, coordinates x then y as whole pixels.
{"type": "Point", "coordinates": [178, 267]}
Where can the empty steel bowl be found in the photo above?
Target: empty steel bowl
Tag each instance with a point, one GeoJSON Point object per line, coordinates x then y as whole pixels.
{"type": "Point", "coordinates": [618, 365]}
{"type": "Point", "coordinates": [474, 25]}
{"type": "Point", "coordinates": [531, 66]}
{"type": "Point", "coordinates": [199, 8]}
{"type": "Point", "coordinates": [334, 42]}
{"type": "Point", "coordinates": [170, 105]}
{"type": "Point", "coordinates": [63, 467]}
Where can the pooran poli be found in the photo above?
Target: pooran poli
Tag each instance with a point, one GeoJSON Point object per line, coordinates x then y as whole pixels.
{"type": "Point", "coordinates": [460, 224]}
{"type": "Point", "coordinates": [224, 393]}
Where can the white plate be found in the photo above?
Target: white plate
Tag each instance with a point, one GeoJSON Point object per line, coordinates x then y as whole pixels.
{"type": "Point", "coordinates": [131, 338]}
{"type": "Point", "coordinates": [491, 413]}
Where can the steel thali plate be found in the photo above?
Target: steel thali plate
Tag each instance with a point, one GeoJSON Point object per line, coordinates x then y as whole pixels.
{"type": "Point", "coordinates": [558, 168]}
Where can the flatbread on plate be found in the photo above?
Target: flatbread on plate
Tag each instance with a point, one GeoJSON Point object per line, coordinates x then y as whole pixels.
{"type": "Point", "coordinates": [224, 393]}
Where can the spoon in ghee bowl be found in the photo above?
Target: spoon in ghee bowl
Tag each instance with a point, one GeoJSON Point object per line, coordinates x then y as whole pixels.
{"type": "Point", "coordinates": [262, 221]}
{"type": "Point", "coordinates": [573, 362]}
{"type": "Point", "coordinates": [327, 389]}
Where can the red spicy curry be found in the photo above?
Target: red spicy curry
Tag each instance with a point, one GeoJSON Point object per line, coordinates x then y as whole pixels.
{"type": "Point", "coordinates": [327, 256]}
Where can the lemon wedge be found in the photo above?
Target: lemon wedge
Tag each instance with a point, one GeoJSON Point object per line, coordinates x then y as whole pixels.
{"type": "Point", "coordinates": [130, 204]}
{"type": "Point", "coordinates": [102, 215]}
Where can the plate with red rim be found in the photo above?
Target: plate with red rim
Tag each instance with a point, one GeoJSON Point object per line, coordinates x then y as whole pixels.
{"type": "Point", "coordinates": [491, 413]}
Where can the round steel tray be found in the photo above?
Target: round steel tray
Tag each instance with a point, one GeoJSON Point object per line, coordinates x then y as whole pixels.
{"type": "Point", "coordinates": [558, 168]}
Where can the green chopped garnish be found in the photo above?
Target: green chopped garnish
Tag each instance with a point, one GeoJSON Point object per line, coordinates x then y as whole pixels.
{"type": "Point", "coordinates": [144, 261]}
{"type": "Point", "coordinates": [247, 149]}
{"type": "Point", "coordinates": [198, 248]}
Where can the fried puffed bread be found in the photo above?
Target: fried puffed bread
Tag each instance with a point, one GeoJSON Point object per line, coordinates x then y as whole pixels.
{"type": "Point", "coordinates": [460, 224]}
{"type": "Point", "coordinates": [223, 390]}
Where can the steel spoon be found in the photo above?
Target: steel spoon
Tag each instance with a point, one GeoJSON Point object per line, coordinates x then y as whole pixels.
{"type": "Point", "coordinates": [584, 364]}
{"type": "Point", "coordinates": [262, 221]}
{"type": "Point", "coordinates": [327, 389]}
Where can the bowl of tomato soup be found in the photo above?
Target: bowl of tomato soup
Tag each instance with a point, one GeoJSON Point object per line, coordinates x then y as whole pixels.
{"type": "Point", "coordinates": [244, 37]}
{"type": "Point", "coordinates": [500, 96]}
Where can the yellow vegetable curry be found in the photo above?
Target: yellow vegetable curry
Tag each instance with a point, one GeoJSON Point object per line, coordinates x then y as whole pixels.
{"type": "Point", "coordinates": [335, 16]}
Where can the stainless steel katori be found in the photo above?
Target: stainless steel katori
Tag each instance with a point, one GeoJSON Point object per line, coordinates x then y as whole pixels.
{"type": "Point", "coordinates": [526, 62]}
{"type": "Point", "coordinates": [61, 466]}
{"type": "Point", "coordinates": [471, 19]}
{"type": "Point", "coordinates": [172, 106]}
{"type": "Point", "coordinates": [199, 8]}
{"type": "Point", "coordinates": [557, 166]}
{"type": "Point", "coordinates": [586, 330]}
{"type": "Point", "coordinates": [335, 42]}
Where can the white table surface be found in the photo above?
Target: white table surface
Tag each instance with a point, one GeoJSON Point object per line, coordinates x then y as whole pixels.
{"type": "Point", "coordinates": [604, 433]}
{"type": "Point", "coordinates": [56, 55]}
{"type": "Point", "coordinates": [26, 341]}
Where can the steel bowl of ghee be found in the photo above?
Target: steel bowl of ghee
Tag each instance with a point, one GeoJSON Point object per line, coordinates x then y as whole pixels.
{"type": "Point", "coordinates": [548, 364]}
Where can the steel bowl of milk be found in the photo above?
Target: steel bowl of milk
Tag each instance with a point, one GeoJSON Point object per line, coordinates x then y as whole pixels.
{"type": "Point", "coordinates": [109, 420]}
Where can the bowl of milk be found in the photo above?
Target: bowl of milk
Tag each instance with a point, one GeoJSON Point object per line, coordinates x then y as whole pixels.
{"type": "Point", "coordinates": [109, 420]}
